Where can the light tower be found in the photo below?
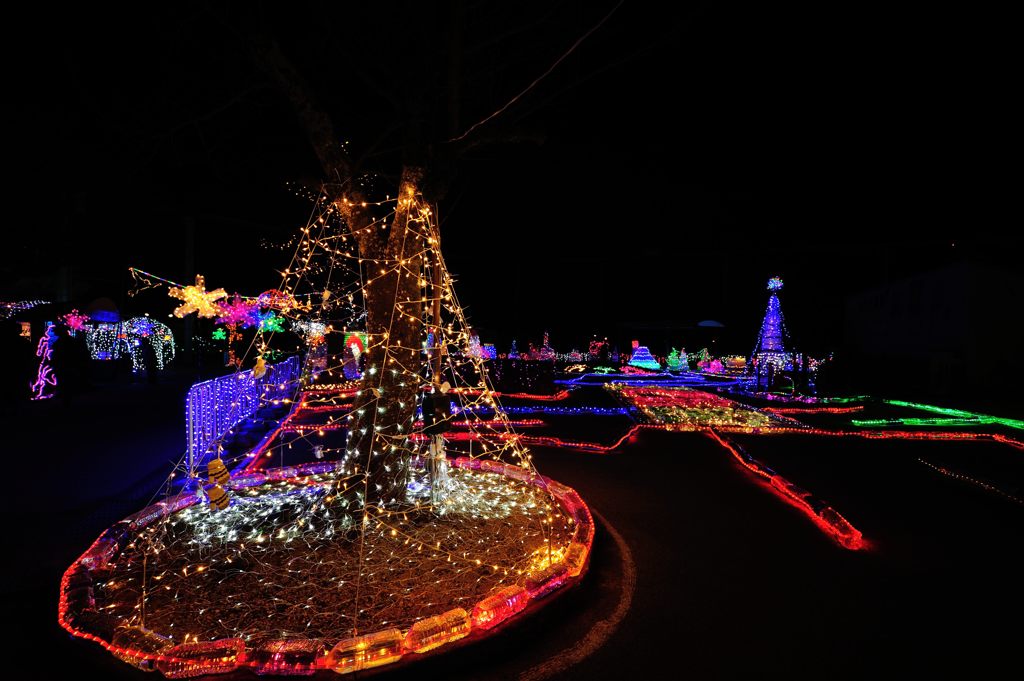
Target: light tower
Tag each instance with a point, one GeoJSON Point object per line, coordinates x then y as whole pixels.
{"type": "Point", "coordinates": [771, 342]}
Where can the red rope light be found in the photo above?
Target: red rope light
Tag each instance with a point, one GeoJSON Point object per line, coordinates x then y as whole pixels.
{"type": "Point", "coordinates": [825, 517]}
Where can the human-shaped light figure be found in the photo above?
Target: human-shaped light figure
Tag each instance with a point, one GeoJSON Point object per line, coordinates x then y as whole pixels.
{"type": "Point", "coordinates": [46, 380]}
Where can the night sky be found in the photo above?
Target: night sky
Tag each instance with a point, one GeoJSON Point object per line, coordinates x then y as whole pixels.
{"type": "Point", "coordinates": [676, 160]}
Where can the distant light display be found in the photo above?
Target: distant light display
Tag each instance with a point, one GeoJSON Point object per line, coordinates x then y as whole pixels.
{"type": "Point", "coordinates": [473, 348]}
{"type": "Point", "coordinates": [736, 362]}
{"type": "Point", "coordinates": [9, 309]}
{"type": "Point", "coordinates": [771, 346]}
{"type": "Point", "coordinates": [643, 359]}
{"type": "Point", "coordinates": [75, 320]}
{"type": "Point", "coordinates": [113, 341]}
{"type": "Point", "coordinates": [676, 361]}
{"type": "Point", "coordinates": [687, 409]}
{"type": "Point", "coordinates": [546, 353]}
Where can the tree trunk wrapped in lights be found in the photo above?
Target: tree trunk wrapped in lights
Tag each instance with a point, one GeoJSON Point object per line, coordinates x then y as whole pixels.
{"type": "Point", "coordinates": [384, 410]}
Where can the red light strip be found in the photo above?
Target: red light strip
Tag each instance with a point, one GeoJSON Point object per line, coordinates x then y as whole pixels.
{"type": "Point", "coordinates": [870, 435]}
{"type": "Point", "coordinates": [966, 478]}
{"type": "Point", "coordinates": [535, 440]}
{"type": "Point", "coordinates": [825, 517]}
{"type": "Point", "coordinates": [310, 428]}
{"type": "Point", "coordinates": [541, 441]}
{"type": "Point", "coordinates": [522, 423]}
{"type": "Point", "coordinates": [326, 407]}
{"type": "Point", "coordinates": [896, 435]}
{"type": "Point", "coordinates": [330, 391]}
{"type": "Point", "coordinates": [560, 395]}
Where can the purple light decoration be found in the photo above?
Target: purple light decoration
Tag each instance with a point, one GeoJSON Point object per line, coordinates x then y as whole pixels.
{"type": "Point", "coordinates": [75, 320]}
{"type": "Point", "coordinates": [238, 312]}
{"type": "Point", "coordinates": [488, 351]}
{"type": "Point", "coordinates": [771, 347]}
{"type": "Point", "coordinates": [770, 338]}
{"type": "Point", "coordinates": [546, 352]}
{"type": "Point", "coordinates": [140, 326]}
{"type": "Point", "coordinates": [45, 378]}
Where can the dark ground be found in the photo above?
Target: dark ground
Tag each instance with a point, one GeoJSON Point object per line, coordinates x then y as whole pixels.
{"type": "Point", "coordinates": [731, 582]}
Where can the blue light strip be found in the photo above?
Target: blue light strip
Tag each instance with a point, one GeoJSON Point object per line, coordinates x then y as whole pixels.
{"type": "Point", "coordinates": [652, 379]}
{"type": "Point", "coordinates": [214, 407]}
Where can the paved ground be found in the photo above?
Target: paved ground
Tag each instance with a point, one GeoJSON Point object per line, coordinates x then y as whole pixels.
{"type": "Point", "coordinates": [730, 581]}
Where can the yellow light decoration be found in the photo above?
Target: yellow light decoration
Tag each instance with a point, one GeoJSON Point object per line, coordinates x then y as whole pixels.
{"type": "Point", "coordinates": [136, 644]}
{"type": "Point", "coordinates": [187, 660]}
{"type": "Point", "coordinates": [219, 499]}
{"type": "Point", "coordinates": [260, 370]}
{"type": "Point", "coordinates": [498, 607]}
{"type": "Point", "coordinates": [436, 631]}
{"type": "Point", "coordinates": [218, 472]}
{"type": "Point", "coordinates": [365, 652]}
{"type": "Point", "coordinates": [197, 299]}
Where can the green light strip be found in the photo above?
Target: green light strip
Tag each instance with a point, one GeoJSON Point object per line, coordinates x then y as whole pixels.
{"type": "Point", "coordinates": [958, 415]}
{"type": "Point", "coordinates": [940, 422]}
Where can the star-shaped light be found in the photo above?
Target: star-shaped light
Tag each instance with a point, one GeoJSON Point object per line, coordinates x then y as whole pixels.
{"type": "Point", "coordinates": [197, 299]}
{"type": "Point", "coordinates": [238, 312]}
{"type": "Point", "coordinates": [270, 322]}
{"type": "Point", "coordinates": [75, 320]}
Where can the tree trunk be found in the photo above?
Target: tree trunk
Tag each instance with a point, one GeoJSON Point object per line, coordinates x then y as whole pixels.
{"type": "Point", "coordinates": [384, 411]}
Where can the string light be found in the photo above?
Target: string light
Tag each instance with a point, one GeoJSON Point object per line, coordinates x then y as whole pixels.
{"type": "Point", "coordinates": [10, 309]}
